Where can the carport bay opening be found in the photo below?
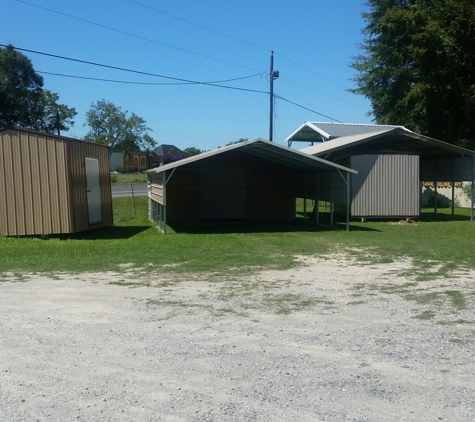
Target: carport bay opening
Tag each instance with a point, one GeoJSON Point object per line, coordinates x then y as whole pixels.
{"type": "Point", "coordinates": [239, 185]}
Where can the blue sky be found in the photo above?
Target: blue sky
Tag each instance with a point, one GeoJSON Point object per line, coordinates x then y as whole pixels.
{"type": "Point", "coordinates": [314, 42]}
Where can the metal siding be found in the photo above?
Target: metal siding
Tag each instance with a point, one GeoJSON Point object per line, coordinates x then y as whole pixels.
{"type": "Point", "coordinates": [78, 151]}
{"type": "Point", "coordinates": [8, 216]}
{"type": "Point", "coordinates": [36, 189]}
{"type": "Point", "coordinates": [386, 185]}
{"type": "Point", "coordinates": [272, 193]}
{"type": "Point", "coordinates": [3, 196]}
{"type": "Point", "coordinates": [223, 192]}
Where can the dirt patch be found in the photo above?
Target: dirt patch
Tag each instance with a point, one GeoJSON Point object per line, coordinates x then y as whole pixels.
{"type": "Point", "coordinates": [329, 340]}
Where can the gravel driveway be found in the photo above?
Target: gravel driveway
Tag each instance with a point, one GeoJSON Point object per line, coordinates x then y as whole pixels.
{"type": "Point", "coordinates": [328, 340]}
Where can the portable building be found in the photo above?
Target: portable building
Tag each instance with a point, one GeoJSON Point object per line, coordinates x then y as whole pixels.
{"type": "Point", "coordinates": [255, 180]}
{"type": "Point", "coordinates": [52, 184]}
{"type": "Point", "coordinates": [392, 164]}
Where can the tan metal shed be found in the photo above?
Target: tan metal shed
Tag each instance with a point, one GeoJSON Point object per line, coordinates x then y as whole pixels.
{"type": "Point", "coordinates": [52, 184]}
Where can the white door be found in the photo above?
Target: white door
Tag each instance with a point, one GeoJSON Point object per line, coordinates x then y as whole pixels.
{"type": "Point", "coordinates": [93, 191]}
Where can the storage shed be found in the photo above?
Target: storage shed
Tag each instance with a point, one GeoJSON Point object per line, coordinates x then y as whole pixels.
{"type": "Point", "coordinates": [52, 184]}
{"type": "Point", "coordinates": [392, 163]}
{"type": "Point", "coordinates": [255, 180]}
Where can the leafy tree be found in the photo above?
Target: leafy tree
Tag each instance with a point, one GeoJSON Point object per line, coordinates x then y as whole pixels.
{"type": "Point", "coordinates": [118, 129]}
{"type": "Point", "coordinates": [418, 66]}
{"type": "Point", "coordinates": [237, 142]}
{"type": "Point", "coordinates": [193, 151]}
{"type": "Point", "coordinates": [23, 102]}
{"type": "Point", "coordinates": [47, 109]}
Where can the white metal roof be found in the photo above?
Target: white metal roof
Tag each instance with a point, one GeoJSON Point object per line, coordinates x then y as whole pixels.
{"type": "Point", "coordinates": [267, 150]}
{"type": "Point", "coordinates": [391, 140]}
{"type": "Point", "coordinates": [324, 131]}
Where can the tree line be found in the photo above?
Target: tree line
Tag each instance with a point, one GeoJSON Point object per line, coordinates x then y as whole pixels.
{"type": "Point", "coordinates": [417, 68]}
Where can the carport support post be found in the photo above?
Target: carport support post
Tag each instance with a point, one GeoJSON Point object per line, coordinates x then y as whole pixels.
{"type": "Point", "coordinates": [331, 200]}
{"type": "Point", "coordinates": [305, 198]}
{"type": "Point", "coordinates": [453, 189]}
{"type": "Point", "coordinates": [473, 188]}
{"type": "Point", "coordinates": [435, 188]}
{"type": "Point", "coordinates": [316, 208]}
{"type": "Point", "coordinates": [348, 200]}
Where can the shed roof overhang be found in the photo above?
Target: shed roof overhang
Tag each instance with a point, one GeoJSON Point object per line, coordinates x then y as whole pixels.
{"type": "Point", "coordinates": [265, 150]}
{"type": "Point", "coordinates": [393, 140]}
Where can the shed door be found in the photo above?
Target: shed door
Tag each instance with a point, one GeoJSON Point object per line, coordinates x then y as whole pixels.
{"type": "Point", "coordinates": [223, 193]}
{"type": "Point", "coordinates": [93, 191]}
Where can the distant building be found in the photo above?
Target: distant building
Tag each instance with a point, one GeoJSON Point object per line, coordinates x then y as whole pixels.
{"type": "Point", "coordinates": [165, 154]}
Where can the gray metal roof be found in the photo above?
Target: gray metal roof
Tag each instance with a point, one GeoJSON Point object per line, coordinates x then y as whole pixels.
{"type": "Point", "coordinates": [324, 131]}
{"type": "Point", "coordinates": [266, 150]}
{"type": "Point", "coordinates": [388, 140]}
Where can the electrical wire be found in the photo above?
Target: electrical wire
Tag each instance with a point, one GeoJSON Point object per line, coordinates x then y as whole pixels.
{"type": "Point", "coordinates": [147, 83]}
{"type": "Point", "coordinates": [168, 77]}
{"type": "Point", "coordinates": [200, 26]}
{"type": "Point", "coordinates": [135, 71]}
{"type": "Point", "coordinates": [136, 36]}
{"type": "Point", "coordinates": [198, 54]}
{"type": "Point", "coordinates": [305, 108]}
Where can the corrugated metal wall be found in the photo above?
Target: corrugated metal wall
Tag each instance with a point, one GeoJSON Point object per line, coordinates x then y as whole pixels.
{"type": "Point", "coordinates": [43, 184]}
{"type": "Point", "coordinates": [34, 196]}
{"type": "Point", "coordinates": [78, 151]}
{"type": "Point", "coordinates": [387, 185]}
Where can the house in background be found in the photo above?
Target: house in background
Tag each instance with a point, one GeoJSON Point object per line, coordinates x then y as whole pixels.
{"type": "Point", "coordinates": [51, 184]}
{"type": "Point", "coordinates": [254, 181]}
{"type": "Point", "coordinates": [165, 154]}
{"type": "Point", "coordinates": [140, 161]}
{"type": "Point", "coordinates": [392, 164]}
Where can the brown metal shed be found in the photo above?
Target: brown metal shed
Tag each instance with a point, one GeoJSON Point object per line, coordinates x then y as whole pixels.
{"type": "Point", "coordinates": [255, 180]}
{"type": "Point", "coordinates": [52, 184]}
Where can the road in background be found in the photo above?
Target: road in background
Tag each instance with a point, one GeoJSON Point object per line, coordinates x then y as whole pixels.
{"type": "Point", "coordinates": [126, 190]}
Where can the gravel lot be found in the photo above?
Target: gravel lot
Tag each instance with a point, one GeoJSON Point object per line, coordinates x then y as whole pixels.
{"type": "Point", "coordinates": [328, 340]}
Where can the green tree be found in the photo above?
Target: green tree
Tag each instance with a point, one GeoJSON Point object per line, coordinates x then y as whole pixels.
{"type": "Point", "coordinates": [46, 112]}
{"type": "Point", "coordinates": [118, 129]}
{"type": "Point", "coordinates": [23, 102]}
{"type": "Point", "coordinates": [418, 66]}
{"type": "Point", "coordinates": [237, 142]}
{"type": "Point", "coordinates": [193, 151]}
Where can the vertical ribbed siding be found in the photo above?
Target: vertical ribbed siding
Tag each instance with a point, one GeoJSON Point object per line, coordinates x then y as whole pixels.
{"type": "Point", "coordinates": [32, 185]}
{"type": "Point", "coordinates": [78, 152]}
{"type": "Point", "coordinates": [38, 182]}
{"type": "Point", "coordinates": [387, 185]}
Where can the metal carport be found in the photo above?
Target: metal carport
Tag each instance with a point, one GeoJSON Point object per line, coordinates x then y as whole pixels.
{"type": "Point", "coordinates": [309, 174]}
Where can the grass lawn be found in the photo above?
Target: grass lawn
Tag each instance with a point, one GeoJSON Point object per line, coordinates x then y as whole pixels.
{"type": "Point", "coordinates": [127, 178]}
{"type": "Point", "coordinates": [433, 239]}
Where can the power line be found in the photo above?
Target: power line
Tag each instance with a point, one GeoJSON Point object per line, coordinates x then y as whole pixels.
{"type": "Point", "coordinates": [305, 108]}
{"type": "Point", "coordinates": [236, 39]}
{"type": "Point", "coordinates": [147, 83]}
{"type": "Point", "coordinates": [135, 36]}
{"type": "Point", "coordinates": [135, 71]}
{"type": "Point", "coordinates": [200, 26]}
{"type": "Point", "coordinates": [192, 52]}
{"type": "Point", "coordinates": [322, 93]}
{"type": "Point", "coordinates": [169, 77]}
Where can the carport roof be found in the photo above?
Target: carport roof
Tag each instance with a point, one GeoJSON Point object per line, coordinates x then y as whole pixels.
{"type": "Point", "coordinates": [266, 150]}
{"type": "Point", "coordinates": [388, 140]}
{"type": "Point", "coordinates": [324, 131]}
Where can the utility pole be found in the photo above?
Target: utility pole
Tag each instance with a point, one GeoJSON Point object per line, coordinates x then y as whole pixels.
{"type": "Point", "coordinates": [57, 122]}
{"type": "Point", "coordinates": [273, 74]}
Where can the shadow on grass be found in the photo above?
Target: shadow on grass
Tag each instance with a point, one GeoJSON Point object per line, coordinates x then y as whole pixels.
{"type": "Point", "coordinates": [443, 215]}
{"type": "Point", "coordinates": [106, 233]}
{"type": "Point", "coordinates": [243, 226]}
